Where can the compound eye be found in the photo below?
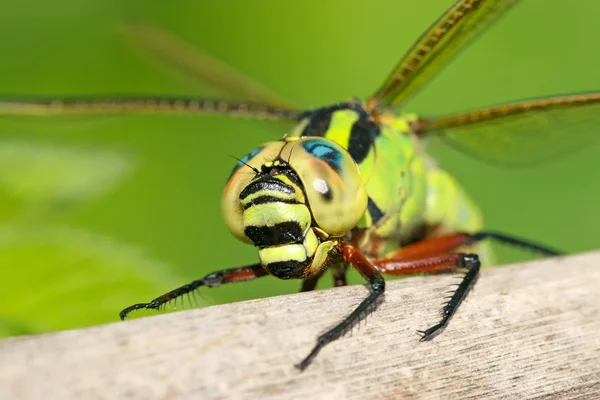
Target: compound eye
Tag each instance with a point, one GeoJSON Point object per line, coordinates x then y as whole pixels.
{"type": "Point", "coordinates": [240, 177]}
{"type": "Point", "coordinates": [332, 182]}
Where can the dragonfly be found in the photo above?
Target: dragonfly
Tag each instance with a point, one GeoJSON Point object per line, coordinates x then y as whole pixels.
{"type": "Point", "coordinates": [350, 185]}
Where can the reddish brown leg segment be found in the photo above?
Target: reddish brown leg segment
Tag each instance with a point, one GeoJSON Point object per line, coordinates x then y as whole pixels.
{"type": "Point", "coordinates": [427, 265]}
{"type": "Point", "coordinates": [427, 248]}
{"type": "Point", "coordinates": [354, 257]}
{"type": "Point", "coordinates": [211, 280]}
{"type": "Point", "coordinates": [449, 243]}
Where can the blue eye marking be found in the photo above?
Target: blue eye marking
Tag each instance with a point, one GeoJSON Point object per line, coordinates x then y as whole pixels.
{"type": "Point", "coordinates": [246, 159]}
{"type": "Point", "coordinates": [325, 152]}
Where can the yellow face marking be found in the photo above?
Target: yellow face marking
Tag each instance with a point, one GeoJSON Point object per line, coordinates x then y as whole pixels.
{"type": "Point", "coordinates": [288, 252]}
{"type": "Point", "coordinates": [270, 214]}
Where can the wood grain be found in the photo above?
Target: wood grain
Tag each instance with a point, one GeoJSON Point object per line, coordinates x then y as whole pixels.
{"type": "Point", "coordinates": [527, 331]}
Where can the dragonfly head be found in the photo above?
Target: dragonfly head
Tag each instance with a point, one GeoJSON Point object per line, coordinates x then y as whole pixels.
{"type": "Point", "coordinates": [290, 198]}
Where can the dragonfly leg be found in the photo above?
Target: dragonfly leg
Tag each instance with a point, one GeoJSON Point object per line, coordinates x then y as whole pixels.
{"type": "Point", "coordinates": [214, 279]}
{"type": "Point", "coordinates": [338, 271]}
{"type": "Point", "coordinates": [444, 263]}
{"type": "Point", "coordinates": [453, 242]}
{"type": "Point", "coordinates": [514, 241]}
{"type": "Point", "coordinates": [354, 257]}
{"type": "Point", "coordinates": [435, 256]}
{"type": "Point", "coordinates": [310, 283]}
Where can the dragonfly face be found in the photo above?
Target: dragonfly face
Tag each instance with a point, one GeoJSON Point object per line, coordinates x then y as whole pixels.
{"type": "Point", "coordinates": [290, 198]}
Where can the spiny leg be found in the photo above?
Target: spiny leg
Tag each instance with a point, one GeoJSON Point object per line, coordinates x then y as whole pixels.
{"type": "Point", "coordinates": [355, 258]}
{"type": "Point", "coordinates": [428, 256]}
{"type": "Point", "coordinates": [214, 279]}
{"type": "Point", "coordinates": [444, 263]}
{"type": "Point", "coordinates": [472, 264]}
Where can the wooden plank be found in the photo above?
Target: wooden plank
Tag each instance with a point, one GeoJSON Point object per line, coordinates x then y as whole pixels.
{"type": "Point", "coordinates": [527, 331]}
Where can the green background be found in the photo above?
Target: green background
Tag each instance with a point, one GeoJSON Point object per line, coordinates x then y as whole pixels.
{"type": "Point", "coordinates": [97, 213]}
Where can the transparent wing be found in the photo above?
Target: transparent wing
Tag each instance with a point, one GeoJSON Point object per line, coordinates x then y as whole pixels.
{"type": "Point", "coordinates": [522, 133]}
{"type": "Point", "coordinates": [259, 102]}
{"type": "Point", "coordinates": [451, 33]}
{"type": "Point", "coordinates": [200, 65]}
{"type": "Point", "coordinates": [13, 106]}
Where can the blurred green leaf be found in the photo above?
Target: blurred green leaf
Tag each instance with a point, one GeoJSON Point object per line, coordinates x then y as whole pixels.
{"type": "Point", "coordinates": [8, 327]}
{"type": "Point", "coordinates": [46, 174]}
{"type": "Point", "coordinates": [75, 279]}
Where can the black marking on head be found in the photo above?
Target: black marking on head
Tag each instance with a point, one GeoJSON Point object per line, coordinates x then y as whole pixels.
{"type": "Point", "coordinates": [280, 167]}
{"type": "Point", "coordinates": [318, 123]}
{"type": "Point", "coordinates": [288, 269]}
{"type": "Point", "coordinates": [269, 199]}
{"type": "Point", "coordinates": [282, 233]}
{"type": "Point", "coordinates": [292, 175]}
{"type": "Point", "coordinates": [376, 213]}
{"type": "Point", "coordinates": [362, 138]}
{"type": "Point", "coordinates": [268, 184]}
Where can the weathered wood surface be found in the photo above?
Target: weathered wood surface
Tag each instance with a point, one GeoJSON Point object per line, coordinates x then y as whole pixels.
{"type": "Point", "coordinates": [527, 331]}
